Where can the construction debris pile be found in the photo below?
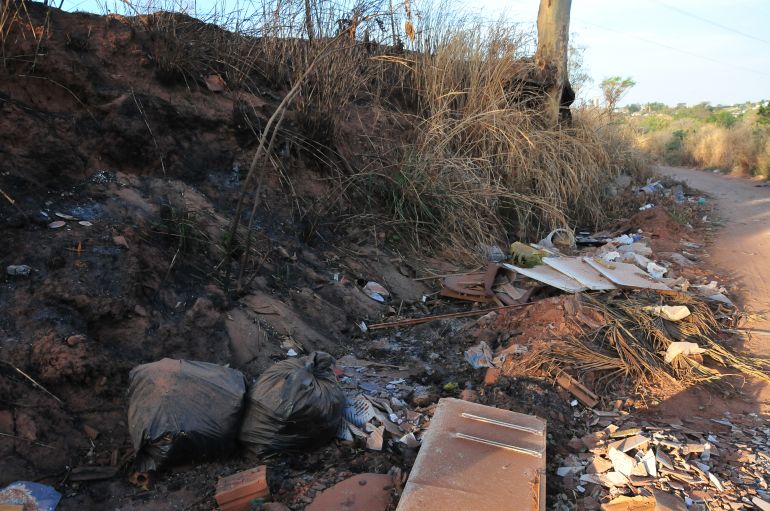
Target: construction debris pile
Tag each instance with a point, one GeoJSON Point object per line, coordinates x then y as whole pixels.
{"type": "Point", "coordinates": [377, 410]}
{"type": "Point", "coordinates": [690, 464]}
{"type": "Point", "coordinates": [629, 316]}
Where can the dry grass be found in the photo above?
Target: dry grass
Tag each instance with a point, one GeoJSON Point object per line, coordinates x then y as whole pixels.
{"type": "Point", "coordinates": [631, 347]}
{"type": "Point", "coordinates": [743, 148]}
{"type": "Point", "coordinates": [737, 149]}
{"type": "Point", "coordinates": [18, 30]}
{"type": "Point", "coordinates": [483, 167]}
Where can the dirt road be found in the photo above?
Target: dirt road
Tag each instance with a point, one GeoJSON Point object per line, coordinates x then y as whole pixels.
{"type": "Point", "coordinates": [742, 248]}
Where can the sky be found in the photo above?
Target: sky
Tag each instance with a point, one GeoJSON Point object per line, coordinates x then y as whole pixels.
{"type": "Point", "coordinates": [677, 51]}
{"type": "Point", "coordinates": [672, 49]}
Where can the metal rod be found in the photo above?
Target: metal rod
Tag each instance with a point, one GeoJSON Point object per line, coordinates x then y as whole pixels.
{"type": "Point", "coordinates": [501, 423]}
{"type": "Point", "coordinates": [514, 448]}
{"type": "Point", "coordinates": [428, 319]}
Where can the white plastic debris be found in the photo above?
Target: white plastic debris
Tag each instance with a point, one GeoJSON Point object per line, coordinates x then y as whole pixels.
{"type": "Point", "coordinates": [376, 291]}
{"type": "Point", "coordinates": [610, 256]}
{"type": "Point", "coordinates": [656, 271]}
{"type": "Point", "coordinates": [569, 471]}
{"type": "Point", "coordinates": [564, 238]}
{"type": "Point", "coordinates": [292, 353]}
{"type": "Point", "coordinates": [682, 348]}
{"type": "Point", "coordinates": [636, 247]}
{"type": "Point", "coordinates": [669, 312]}
{"type": "Point", "coordinates": [624, 239]}
{"type": "Point", "coordinates": [646, 207]}
{"type": "Point", "coordinates": [636, 259]}
{"type": "Point", "coordinates": [410, 441]}
{"type": "Point", "coordinates": [479, 356]}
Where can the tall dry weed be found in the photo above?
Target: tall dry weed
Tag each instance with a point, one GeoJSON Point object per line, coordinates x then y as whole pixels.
{"type": "Point", "coordinates": [484, 167]}
{"type": "Point", "coordinates": [474, 161]}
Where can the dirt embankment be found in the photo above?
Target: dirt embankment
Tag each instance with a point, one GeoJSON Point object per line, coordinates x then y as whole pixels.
{"type": "Point", "coordinates": [118, 180]}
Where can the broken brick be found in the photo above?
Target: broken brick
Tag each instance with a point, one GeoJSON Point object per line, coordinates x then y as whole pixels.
{"type": "Point", "coordinates": [236, 492]}
{"type": "Point", "coordinates": [491, 376]}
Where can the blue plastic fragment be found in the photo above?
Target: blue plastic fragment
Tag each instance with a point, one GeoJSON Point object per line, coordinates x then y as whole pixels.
{"type": "Point", "coordinates": [27, 494]}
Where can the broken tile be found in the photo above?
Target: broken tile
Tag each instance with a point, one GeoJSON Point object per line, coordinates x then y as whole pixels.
{"type": "Point", "coordinates": [634, 442]}
{"type": "Point", "coordinates": [362, 492]}
{"type": "Point", "coordinates": [467, 464]}
{"type": "Point", "coordinates": [621, 462]}
{"type": "Point", "coordinates": [599, 465]}
{"type": "Point", "coordinates": [636, 503]}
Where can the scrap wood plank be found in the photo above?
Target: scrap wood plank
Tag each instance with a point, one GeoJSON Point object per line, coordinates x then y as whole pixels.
{"type": "Point", "coordinates": [577, 389]}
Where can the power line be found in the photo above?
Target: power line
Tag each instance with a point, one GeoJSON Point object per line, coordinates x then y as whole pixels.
{"type": "Point", "coordinates": [673, 48]}
{"type": "Point", "coordinates": [706, 20]}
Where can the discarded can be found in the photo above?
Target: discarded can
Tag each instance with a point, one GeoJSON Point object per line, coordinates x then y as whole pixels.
{"type": "Point", "coordinates": [19, 270]}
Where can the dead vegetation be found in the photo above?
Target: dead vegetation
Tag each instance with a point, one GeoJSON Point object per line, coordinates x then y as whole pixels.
{"type": "Point", "coordinates": [630, 347]}
{"type": "Point", "coordinates": [464, 157]}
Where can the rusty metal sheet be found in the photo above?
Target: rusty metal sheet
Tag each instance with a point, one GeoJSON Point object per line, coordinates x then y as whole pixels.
{"type": "Point", "coordinates": [478, 457]}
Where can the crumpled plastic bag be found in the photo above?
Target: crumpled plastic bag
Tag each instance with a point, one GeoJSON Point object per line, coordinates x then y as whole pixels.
{"type": "Point", "coordinates": [296, 404]}
{"type": "Point", "coordinates": [655, 270]}
{"type": "Point", "coordinates": [181, 410]}
{"type": "Point", "coordinates": [479, 356]}
{"type": "Point", "coordinates": [563, 238]}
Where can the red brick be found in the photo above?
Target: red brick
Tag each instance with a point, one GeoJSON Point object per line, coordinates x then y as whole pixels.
{"type": "Point", "coordinates": [490, 378]}
{"type": "Point", "coordinates": [235, 492]}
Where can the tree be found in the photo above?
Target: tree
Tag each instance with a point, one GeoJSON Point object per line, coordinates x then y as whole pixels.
{"type": "Point", "coordinates": [552, 51]}
{"type": "Point", "coordinates": [614, 88]}
{"type": "Point", "coordinates": [578, 75]}
{"type": "Point", "coordinates": [763, 113]}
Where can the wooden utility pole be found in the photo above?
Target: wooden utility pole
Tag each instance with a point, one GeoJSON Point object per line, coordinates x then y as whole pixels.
{"type": "Point", "coordinates": [552, 49]}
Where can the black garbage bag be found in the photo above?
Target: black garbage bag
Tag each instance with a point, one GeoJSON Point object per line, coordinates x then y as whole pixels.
{"type": "Point", "coordinates": [180, 410]}
{"type": "Point", "coordinates": [296, 404]}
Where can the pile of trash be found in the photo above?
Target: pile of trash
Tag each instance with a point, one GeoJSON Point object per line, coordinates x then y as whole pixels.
{"type": "Point", "coordinates": [180, 411]}
{"type": "Point", "coordinates": [377, 409]}
{"type": "Point", "coordinates": [633, 316]}
{"type": "Point", "coordinates": [678, 464]}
